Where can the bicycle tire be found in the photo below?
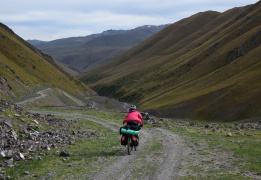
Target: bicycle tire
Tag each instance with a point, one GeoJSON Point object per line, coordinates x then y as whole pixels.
{"type": "Point", "coordinates": [129, 145]}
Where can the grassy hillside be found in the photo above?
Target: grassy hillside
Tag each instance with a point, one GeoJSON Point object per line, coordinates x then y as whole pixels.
{"type": "Point", "coordinates": [25, 70]}
{"type": "Point", "coordinates": [206, 66]}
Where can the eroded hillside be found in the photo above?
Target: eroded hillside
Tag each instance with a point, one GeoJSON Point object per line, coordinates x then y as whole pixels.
{"type": "Point", "coordinates": [26, 70]}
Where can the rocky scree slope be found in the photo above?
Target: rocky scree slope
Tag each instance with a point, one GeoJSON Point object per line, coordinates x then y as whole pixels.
{"type": "Point", "coordinates": [24, 134]}
{"type": "Point", "coordinates": [206, 66]}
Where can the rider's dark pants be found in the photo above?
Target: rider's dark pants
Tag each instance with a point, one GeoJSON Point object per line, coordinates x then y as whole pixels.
{"type": "Point", "coordinates": [134, 126]}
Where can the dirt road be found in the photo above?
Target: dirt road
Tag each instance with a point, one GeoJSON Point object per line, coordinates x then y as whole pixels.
{"type": "Point", "coordinates": [44, 93]}
{"type": "Point", "coordinates": [159, 155]}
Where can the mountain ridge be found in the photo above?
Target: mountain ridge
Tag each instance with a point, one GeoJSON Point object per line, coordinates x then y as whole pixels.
{"type": "Point", "coordinates": [193, 61]}
{"type": "Point", "coordinates": [85, 53]}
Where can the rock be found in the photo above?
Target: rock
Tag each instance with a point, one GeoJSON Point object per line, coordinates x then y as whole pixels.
{"type": "Point", "coordinates": [193, 123]}
{"type": "Point", "coordinates": [9, 153]}
{"type": "Point", "coordinates": [23, 120]}
{"type": "Point", "coordinates": [26, 172]}
{"type": "Point", "coordinates": [2, 176]}
{"type": "Point", "coordinates": [16, 115]}
{"type": "Point", "coordinates": [9, 162]}
{"type": "Point", "coordinates": [208, 126]}
{"type": "Point", "coordinates": [71, 143]}
{"type": "Point", "coordinates": [2, 154]}
{"type": "Point", "coordinates": [14, 135]}
{"type": "Point", "coordinates": [3, 143]}
{"type": "Point", "coordinates": [46, 147]}
{"type": "Point", "coordinates": [36, 121]}
{"type": "Point", "coordinates": [29, 146]}
{"type": "Point", "coordinates": [8, 123]}
{"type": "Point", "coordinates": [21, 156]}
{"type": "Point", "coordinates": [145, 115]}
{"type": "Point", "coordinates": [64, 153]}
{"type": "Point", "coordinates": [229, 134]}
{"type": "Point", "coordinates": [53, 146]}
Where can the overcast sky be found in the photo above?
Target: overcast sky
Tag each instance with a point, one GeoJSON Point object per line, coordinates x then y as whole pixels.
{"type": "Point", "coordinates": [55, 19]}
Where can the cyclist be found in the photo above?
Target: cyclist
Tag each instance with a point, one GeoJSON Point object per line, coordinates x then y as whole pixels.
{"type": "Point", "coordinates": [133, 118]}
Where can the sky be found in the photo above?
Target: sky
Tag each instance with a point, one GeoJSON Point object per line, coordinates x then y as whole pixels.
{"type": "Point", "coordinates": [55, 19]}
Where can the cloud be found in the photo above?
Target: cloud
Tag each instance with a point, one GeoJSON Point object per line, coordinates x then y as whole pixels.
{"type": "Point", "coordinates": [48, 33]}
{"type": "Point", "coordinates": [58, 23]}
{"type": "Point", "coordinates": [48, 19]}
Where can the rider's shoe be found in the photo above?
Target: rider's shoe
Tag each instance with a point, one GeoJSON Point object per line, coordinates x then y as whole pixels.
{"type": "Point", "coordinates": [136, 147]}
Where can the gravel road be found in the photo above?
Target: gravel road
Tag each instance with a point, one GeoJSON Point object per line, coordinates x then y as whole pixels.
{"type": "Point", "coordinates": [159, 155]}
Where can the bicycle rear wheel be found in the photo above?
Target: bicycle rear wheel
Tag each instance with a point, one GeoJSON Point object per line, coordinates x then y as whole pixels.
{"type": "Point", "coordinates": [129, 145]}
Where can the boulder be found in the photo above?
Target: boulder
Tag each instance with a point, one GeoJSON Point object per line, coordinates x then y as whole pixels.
{"type": "Point", "coordinates": [64, 153]}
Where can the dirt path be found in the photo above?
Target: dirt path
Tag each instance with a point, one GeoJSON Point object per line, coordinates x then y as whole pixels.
{"type": "Point", "coordinates": [43, 94]}
{"type": "Point", "coordinates": [159, 155]}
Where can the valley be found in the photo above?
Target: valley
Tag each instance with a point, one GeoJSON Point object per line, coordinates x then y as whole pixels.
{"type": "Point", "coordinates": [196, 82]}
{"type": "Point", "coordinates": [204, 67]}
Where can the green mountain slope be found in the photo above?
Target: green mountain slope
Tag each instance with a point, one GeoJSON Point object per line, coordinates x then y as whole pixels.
{"type": "Point", "coordinates": [206, 66]}
{"type": "Point", "coordinates": [24, 70]}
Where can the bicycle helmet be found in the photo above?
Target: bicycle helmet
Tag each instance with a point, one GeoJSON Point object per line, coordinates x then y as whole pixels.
{"type": "Point", "coordinates": [133, 107]}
